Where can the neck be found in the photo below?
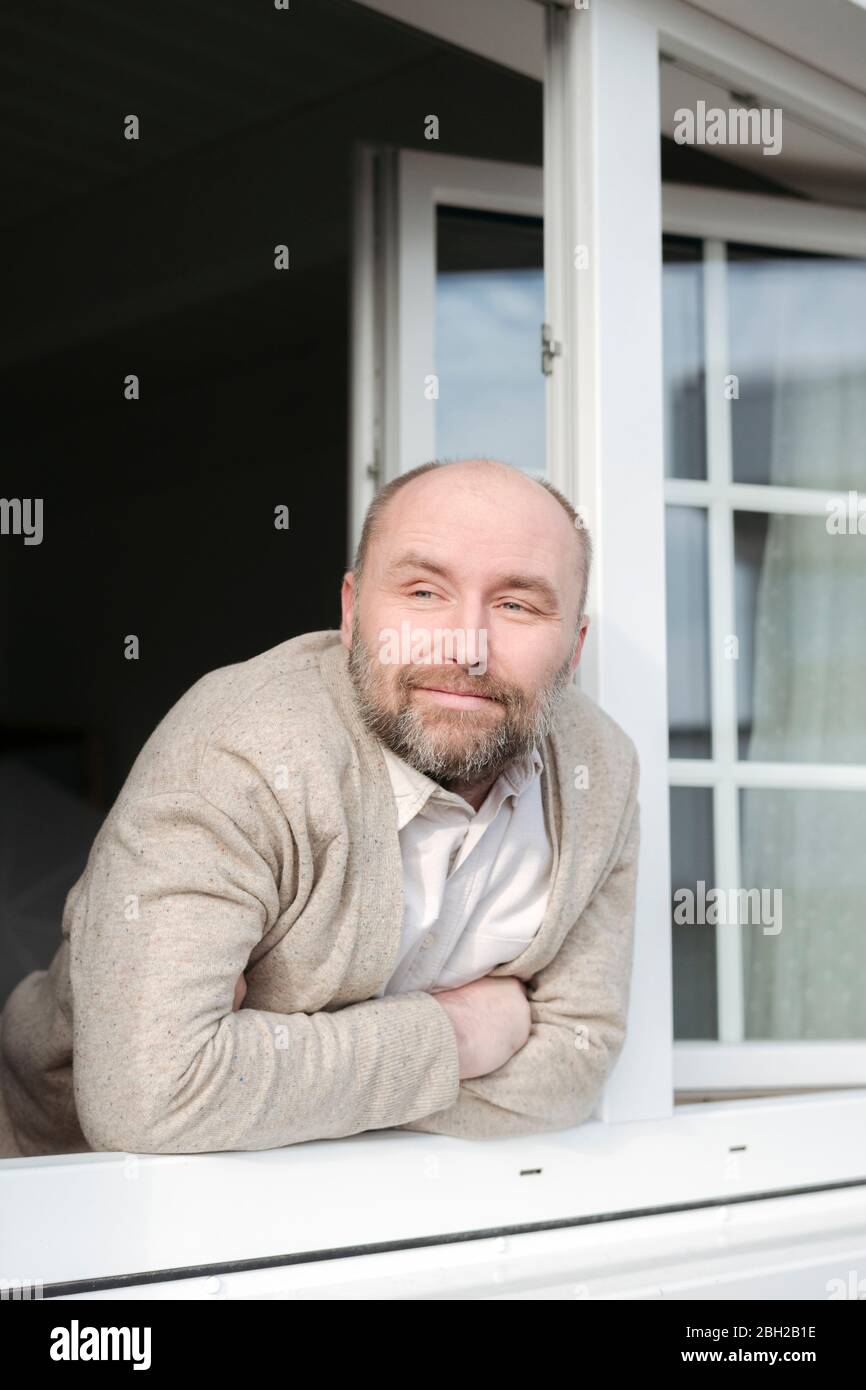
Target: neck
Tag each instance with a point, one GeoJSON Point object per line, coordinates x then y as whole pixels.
{"type": "Point", "coordinates": [473, 792]}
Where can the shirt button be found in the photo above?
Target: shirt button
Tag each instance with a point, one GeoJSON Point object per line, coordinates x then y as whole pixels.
{"type": "Point", "coordinates": [428, 940]}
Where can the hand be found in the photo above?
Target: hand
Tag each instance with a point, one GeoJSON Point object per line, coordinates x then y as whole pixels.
{"type": "Point", "coordinates": [240, 992]}
{"type": "Point", "coordinates": [491, 1018]}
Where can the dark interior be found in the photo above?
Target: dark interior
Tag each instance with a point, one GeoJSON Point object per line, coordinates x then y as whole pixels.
{"type": "Point", "coordinates": [155, 258]}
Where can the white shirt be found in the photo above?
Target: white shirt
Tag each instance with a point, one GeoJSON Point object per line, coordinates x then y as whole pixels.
{"type": "Point", "coordinates": [476, 883]}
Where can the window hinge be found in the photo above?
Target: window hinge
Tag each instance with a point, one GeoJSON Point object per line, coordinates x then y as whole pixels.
{"type": "Point", "coordinates": [550, 348]}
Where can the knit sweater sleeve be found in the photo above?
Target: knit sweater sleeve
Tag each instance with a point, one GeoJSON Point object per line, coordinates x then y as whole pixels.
{"type": "Point", "coordinates": [178, 898]}
{"type": "Point", "coordinates": [578, 1004]}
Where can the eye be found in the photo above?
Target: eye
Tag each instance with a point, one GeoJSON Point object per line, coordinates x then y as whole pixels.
{"type": "Point", "coordinates": [514, 604]}
{"type": "Point", "coordinates": [413, 592]}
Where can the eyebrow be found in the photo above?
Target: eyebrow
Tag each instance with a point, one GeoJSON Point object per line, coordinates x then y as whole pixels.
{"type": "Point", "coordinates": [413, 559]}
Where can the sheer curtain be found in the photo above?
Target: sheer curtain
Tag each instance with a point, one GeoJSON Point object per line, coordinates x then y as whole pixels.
{"type": "Point", "coordinates": [809, 684]}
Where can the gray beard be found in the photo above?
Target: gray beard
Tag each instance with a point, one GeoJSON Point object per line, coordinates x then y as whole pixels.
{"type": "Point", "coordinates": [523, 726]}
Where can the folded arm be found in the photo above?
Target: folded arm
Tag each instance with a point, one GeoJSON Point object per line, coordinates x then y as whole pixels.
{"type": "Point", "coordinates": [578, 1003]}
{"type": "Point", "coordinates": [178, 899]}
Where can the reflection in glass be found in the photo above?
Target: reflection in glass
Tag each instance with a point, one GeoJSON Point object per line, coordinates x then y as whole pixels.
{"type": "Point", "coordinates": [683, 326]}
{"type": "Point", "coordinates": [801, 596]}
{"type": "Point", "coordinates": [806, 980]}
{"type": "Point", "coordinates": [750, 537]}
{"type": "Point", "coordinates": [694, 946]}
{"type": "Point", "coordinates": [489, 312]}
{"type": "Point", "coordinates": [688, 632]}
{"type": "Point", "coordinates": [797, 345]}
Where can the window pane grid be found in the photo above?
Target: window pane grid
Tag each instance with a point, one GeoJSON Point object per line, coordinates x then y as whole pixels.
{"type": "Point", "coordinates": [726, 775]}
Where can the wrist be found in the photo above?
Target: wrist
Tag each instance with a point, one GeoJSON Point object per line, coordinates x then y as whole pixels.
{"type": "Point", "coordinates": [454, 1009]}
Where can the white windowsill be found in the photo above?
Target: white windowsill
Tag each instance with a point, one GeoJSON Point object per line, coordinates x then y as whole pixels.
{"type": "Point", "coordinates": [94, 1216]}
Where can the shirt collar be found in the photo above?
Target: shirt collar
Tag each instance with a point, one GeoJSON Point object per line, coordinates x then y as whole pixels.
{"type": "Point", "coordinates": [413, 789]}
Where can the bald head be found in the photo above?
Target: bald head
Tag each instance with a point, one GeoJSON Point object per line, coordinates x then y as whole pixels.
{"type": "Point", "coordinates": [508, 499]}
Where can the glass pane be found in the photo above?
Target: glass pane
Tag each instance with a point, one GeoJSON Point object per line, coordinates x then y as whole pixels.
{"type": "Point", "coordinates": [801, 675]}
{"type": "Point", "coordinates": [804, 946]}
{"type": "Point", "coordinates": [489, 312]}
{"type": "Point", "coordinates": [694, 946]}
{"type": "Point", "coordinates": [683, 327]}
{"type": "Point", "coordinates": [797, 328]}
{"type": "Point", "coordinates": [688, 632]}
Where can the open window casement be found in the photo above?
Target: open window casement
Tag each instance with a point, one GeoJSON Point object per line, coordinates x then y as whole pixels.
{"type": "Point", "coordinates": [456, 354]}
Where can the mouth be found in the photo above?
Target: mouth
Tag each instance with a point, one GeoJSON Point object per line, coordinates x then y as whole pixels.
{"type": "Point", "coordinates": [455, 699]}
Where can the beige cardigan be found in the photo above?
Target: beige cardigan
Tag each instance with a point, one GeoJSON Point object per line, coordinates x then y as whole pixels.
{"type": "Point", "coordinates": [257, 832]}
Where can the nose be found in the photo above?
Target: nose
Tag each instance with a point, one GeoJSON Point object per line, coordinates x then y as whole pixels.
{"type": "Point", "coordinates": [470, 620]}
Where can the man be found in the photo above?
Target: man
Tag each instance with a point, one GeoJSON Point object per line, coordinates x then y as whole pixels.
{"type": "Point", "coordinates": [351, 884]}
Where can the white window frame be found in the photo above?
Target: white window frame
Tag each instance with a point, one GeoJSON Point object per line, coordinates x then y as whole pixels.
{"type": "Point", "coordinates": [717, 219]}
{"type": "Point", "coordinates": [397, 192]}
{"type": "Point", "coordinates": [604, 102]}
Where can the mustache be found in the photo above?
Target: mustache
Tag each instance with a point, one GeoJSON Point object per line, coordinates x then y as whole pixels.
{"type": "Point", "coordinates": [457, 682]}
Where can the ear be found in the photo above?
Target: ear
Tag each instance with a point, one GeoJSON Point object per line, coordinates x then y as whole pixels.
{"type": "Point", "coordinates": [584, 625]}
{"type": "Point", "coordinates": [347, 599]}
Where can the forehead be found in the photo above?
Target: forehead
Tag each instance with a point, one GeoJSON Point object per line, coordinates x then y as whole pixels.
{"type": "Point", "coordinates": [469, 541]}
{"type": "Point", "coordinates": [480, 514]}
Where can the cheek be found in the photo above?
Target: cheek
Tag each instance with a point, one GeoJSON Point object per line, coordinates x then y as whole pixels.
{"type": "Point", "coordinates": [388, 682]}
{"type": "Point", "coordinates": [532, 656]}
{"type": "Point", "coordinates": [528, 673]}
